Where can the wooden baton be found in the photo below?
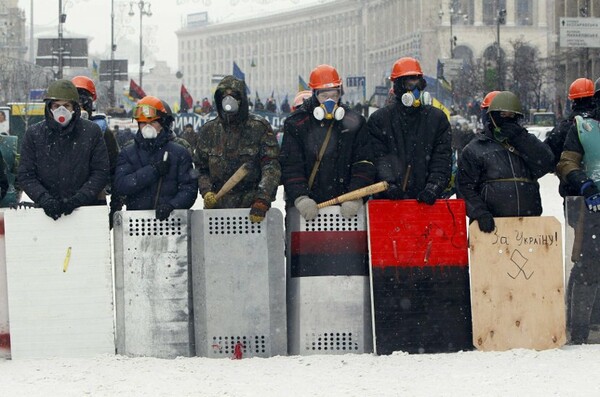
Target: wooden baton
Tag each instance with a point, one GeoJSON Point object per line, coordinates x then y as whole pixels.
{"type": "Point", "coordinates": [233, 180]}
{"type": "Point", "coordinates": [356, 194]}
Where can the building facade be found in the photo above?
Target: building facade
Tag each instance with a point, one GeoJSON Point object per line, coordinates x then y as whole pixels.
{"type": "Point", "coordinates": [359, 38]}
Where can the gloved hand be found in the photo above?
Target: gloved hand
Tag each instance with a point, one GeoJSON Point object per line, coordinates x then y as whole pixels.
{"type": "Point", "coordinates": [116, 204]}
{"type": "Point", "coordinates": [511, 129]}
{"type": "Point", "coordinates": [69, 205]}
{"type": "Point", "coordinates": [22, 204]}
{"type": "Point", "coordinates": [210, 200]}
{"type": "Point", "coordinates": [427, 196]}
{"type": "Point", "coordinates": [163, 211]}
{"type": "Point", "coordinates": [162, 167]}
{"type": "Point", "coordinates": [486, 223]}
{"type": "Point", "coordinates": [307, 207]}
{"type": "Point", "coordinates": [592, 196]}
{"type": "Point", "coordinates": [52, 207]}
{"type": "Point", "coordinates": [349, 209]}
{"type": "Point", "coordinates": [394, 192]}
{"type": "Point", "coordinates": [258, 211]}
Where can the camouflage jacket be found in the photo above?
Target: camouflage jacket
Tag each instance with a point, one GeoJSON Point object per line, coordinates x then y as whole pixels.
{"type": "Point", "coordinates": [229, 141]}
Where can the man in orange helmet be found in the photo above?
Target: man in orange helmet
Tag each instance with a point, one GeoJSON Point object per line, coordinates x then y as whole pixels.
{"type": "Point", "coordinates": [325, 150]}
{"type": "Point", "coordinates": [155, 172]}
{"type": "Point", "coordinates": [411, 139]}
{"type": "Point", "coordinates": [87, 96]}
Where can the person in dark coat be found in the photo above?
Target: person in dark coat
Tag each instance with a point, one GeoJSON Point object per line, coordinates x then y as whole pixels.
{"type": "Point", "coordinates": [581, 92]}
{"type": "Point", "coordinates": [155, 172]}
{"type": "Point", "coordinates": [64, 161]}
{"type": "Point", "coordinates": [498, 170]}
{"type": "Point", "coordinates": [234, 138]}
{"type": "Point", "coordinates": [325, 129]}
{"type": "Point", "coordinates": [411, 139]}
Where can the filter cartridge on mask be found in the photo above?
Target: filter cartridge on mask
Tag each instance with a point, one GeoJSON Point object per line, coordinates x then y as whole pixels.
{"type": "Point", "coordinates": [329, 110]}
{"type": "Point", "coordinates": [415, 98]}
{"type": "Point", "coordinates": [62, 115]}
{"type": "Point", "coordinates": [229, 104]}
{"type": "Point", "coordinates": [149, 132]}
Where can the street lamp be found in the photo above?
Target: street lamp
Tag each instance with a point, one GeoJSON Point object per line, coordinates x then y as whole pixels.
{"type": "Point", "coordinates": [453, 13]}
{"type": "Point", "coordinates": [143, 11]}
{"type": "Point", "coordinates": [500, 19]}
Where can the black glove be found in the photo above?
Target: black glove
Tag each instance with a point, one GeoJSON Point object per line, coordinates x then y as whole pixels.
{"type": "Point", "coordinates": [394, 192]}
{"type": "Point", "coordinates": [427, 196]}
{"type": "Point", "coordinates": [511, 129]}
{"type": "Point", "coordinates": [258, 211]}
{"type": "Point", "coordinates": [486, 223]}
{"type": "Point", "coordinates": [162, 167]}
{"type": "Point", "coordinates": [52, 207]}
{"type": "Point", "coordinates": [163, 211]}
{"type": "Point", "coordinates": [69, 205]}
{"type": "Point", "coordinates": [116, 204]}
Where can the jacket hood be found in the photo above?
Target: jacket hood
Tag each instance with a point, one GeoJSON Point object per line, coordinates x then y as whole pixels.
{"type": "Point", "coordinates": [239, 88]}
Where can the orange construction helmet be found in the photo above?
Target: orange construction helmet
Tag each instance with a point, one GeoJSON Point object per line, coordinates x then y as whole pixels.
{"type": "Point", "coordinates": [581, 88]}
{"type": "Point", "coordinates": [488, 99]}
{"type": "Point", "coordinates": [85, 83]}
{"type": "Point", "coordinates": [300, 97]}
{"type": "Point", "coordinates": [150, 108]}
{"type": "Point", "coordinates": [406, 66]}
{"type": "Point", "coordinates": [324, 76]}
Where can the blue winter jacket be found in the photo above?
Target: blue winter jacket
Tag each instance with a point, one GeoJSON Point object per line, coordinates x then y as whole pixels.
{"type": "Point", "coordinates": [139, 181]}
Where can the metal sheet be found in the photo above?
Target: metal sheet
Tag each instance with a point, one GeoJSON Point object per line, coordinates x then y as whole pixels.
{"type": "Point", "coordinates": [152, 284]}
{"type": "Point", "coordinates": [328, 314]}
{"type": "Point", "coordinates": [239, 284]}
{"type": "Point", "coordinates": [59, 280]}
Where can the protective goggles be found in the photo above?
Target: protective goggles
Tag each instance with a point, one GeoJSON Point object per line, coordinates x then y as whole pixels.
{"type": "Point", "coordinates": [145, 113]}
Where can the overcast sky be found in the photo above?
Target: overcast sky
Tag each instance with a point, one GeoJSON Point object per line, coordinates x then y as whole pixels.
{"type": "Point", "coordinates": [92, 18]}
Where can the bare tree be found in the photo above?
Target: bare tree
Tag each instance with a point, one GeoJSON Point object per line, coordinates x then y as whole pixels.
{"type": "Point", "coordinates": [529, 75]}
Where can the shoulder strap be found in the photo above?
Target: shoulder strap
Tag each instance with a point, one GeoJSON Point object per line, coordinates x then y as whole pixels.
{"type": "Point", "coordinates": [313, 173]}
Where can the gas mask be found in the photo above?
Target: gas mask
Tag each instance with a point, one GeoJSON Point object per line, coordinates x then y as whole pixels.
{"type": "Point", "coordinates": [62, 115]}
{"type": "Point", "coordinates": [329, 110]}
{"type": "Point", "coordinates": [149, 132]}
{"type": "Point", "coordinates": [416, 98]}
{"type": "Point", "coordinates": [230, 104]}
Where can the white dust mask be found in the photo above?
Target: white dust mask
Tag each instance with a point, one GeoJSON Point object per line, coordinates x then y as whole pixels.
{"type": "Point", "coordinates": [149, 132]}
{"type": "Point", "coordinates": [62, 115]}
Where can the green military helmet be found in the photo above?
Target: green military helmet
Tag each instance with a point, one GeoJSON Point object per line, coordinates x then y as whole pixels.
{"type": "Point", "coordinates": [63, 90]}
{"type": "Point", "coordinates": [506, 101]}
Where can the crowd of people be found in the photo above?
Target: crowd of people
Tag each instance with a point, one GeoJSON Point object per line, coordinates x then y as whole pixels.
{"type": "Point", "coordinates": [73, 159]}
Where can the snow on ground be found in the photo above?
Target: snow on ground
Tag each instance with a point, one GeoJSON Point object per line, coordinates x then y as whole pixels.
{"type": "Point", "coordinates": [569, 371]}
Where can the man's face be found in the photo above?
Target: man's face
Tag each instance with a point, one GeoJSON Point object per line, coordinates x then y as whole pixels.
{"type": "Point", "coordinates": [58, 103]}
{"type": "Point", "coordinates": [333, 93]}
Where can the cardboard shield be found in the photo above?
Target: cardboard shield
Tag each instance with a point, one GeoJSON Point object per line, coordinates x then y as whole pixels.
{"type": "Point", "coordinates": [517, 285]}
{"type": "Point", "coordinates": [419, 276]}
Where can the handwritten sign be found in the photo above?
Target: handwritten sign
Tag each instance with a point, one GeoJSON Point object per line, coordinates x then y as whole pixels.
{"type": "Point", "coordinates": [517, 286]}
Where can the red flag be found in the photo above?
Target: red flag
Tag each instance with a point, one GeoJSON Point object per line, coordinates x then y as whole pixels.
{"type": "Point", "coordinates": [185, 100]}
{"type": "Point", "coordinates": [135, 91]}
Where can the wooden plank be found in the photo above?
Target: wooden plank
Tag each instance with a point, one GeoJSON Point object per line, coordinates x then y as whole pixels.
{"type": "Point", "coordinates": [517, 285]}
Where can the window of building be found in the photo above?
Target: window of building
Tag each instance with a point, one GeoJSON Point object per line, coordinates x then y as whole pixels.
{"type": "Point", "coordinates": [490, 10]}
{"type": "Point", "coordinates": [524, 12]}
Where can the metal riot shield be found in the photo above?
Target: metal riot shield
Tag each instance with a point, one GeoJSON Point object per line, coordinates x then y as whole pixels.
{"type": "Point", "coordinates": [152, 284]}
{"type": "Point", "coordinates": [582, 271]}
{"type": "Point", "coordinates": [328, 284]}
{"type": "Point", "coordinates": [239, 284]}
{"type": "Point", "coordinates": [59, 278]}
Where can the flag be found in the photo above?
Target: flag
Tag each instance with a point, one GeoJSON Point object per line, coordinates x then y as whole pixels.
{"type": "Point", "coordinates": [135, 91]}
{"type": "Point", "coordinates": [302, 86]}
{"type": "Point", "coordinates": [94, 70]}
{"type": "Point", "coordinates": [185, 99]}
{"type": "Point", "coordinates": [238, 74]}
{"type": "Point", "coordinates": [440, 70]}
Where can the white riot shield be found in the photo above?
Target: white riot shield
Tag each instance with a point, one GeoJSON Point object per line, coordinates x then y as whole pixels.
{"type": "Point", "coordinates": [152, 284]}
{"type": "Point", "coordinates": [59, 279]}
{"type": "Point", "coordinates": [238, 271]}
{"type": "Point", "coordinates": [328, 296]}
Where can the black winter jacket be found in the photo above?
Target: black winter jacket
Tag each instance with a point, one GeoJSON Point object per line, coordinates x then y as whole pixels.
{"type": "Point", "coordinates": [64, 161]}
{"type": "Point", "coordinates": [501, 179]}
{"type": "Point", "coordinates": [138, 180]}
{"type": "Point", "coordinates": [347, 163]}
{"type": "Point", "coordinates": [413, 143]}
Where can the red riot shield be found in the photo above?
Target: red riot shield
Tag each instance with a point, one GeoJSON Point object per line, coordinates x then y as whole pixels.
{"type": "Point", "coordinates": [419, 276]}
